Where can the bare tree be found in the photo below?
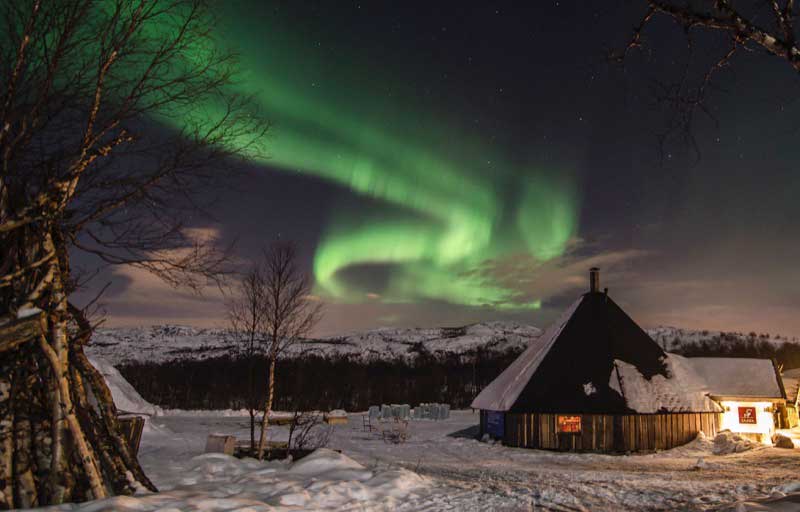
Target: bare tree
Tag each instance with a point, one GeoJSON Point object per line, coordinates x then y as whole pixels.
{"type": "Point", "coordinates": [246, 315]}
{"type": "Point", "coordinates": [755, 26]}
{"type": "Point", "coordinates": [112, 114]}
{"type": "Point", "coordinates": [308, 431]}
{"type": "Point", "coordinates": [290, 313]}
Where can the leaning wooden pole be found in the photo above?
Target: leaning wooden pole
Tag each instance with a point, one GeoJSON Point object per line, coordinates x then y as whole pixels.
{"type": "Point", "coordinates": [38, 389]}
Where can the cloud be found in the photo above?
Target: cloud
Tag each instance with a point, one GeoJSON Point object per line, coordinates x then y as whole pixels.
{"type": "Point", "coordinates": [138, 297]}
{"type": "Point", "coordinates": [147, 299]}
{"type": "Point", "coordinates": [542, 280]}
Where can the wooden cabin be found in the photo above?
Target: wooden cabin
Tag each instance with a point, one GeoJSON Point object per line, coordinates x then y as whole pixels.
{"type": "Point", "coordinates": [750, 391]}
{"type": "Point", "coordinates": [595, 381]}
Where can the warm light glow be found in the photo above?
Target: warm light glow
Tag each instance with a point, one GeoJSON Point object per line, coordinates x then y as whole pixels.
{"type": "Point", "coordinates": [764, 423]}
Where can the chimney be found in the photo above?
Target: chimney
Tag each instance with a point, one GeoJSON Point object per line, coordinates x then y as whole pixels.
{"type": "Point", "coordinates": [594, 279]}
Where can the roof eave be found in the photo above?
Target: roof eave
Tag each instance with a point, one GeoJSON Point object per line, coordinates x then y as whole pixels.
{"type": "Point", "coordinates": [745, 398]}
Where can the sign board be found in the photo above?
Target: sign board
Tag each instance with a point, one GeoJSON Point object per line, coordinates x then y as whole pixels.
{"type": "Point", "coordinates": [747, 415]}
{"type": "Point", "coordinates": [568, 424]}
{"type": "Point", "coordinates": [495, 424]}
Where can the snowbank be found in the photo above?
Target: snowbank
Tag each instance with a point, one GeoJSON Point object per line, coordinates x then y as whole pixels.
{"type": "Point", "coordinates": [126, 398]}
{"type": "Point", "coordinates": [225, 413]}
{"type": "Point", "coordinates": [325, 480]}
{"type": "Point", "coordinates": [684, 389]}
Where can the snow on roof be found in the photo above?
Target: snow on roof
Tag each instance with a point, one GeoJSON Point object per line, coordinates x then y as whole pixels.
{"type": "Point", "coordinates": [738, 377]}
{"type": "Point", "coordinates": [683, 391]}
{"type": "Point", "coordinates": [502, 392]}
{"type": "Point", "coordinates": [125, 396]}
{"type": "Point", "coordinates": [791, 383]}
{"type": "Point", "coordinates": [791, 386]}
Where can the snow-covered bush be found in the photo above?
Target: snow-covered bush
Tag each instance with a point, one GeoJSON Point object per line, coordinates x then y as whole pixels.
{"type": "Point", "coordinates": [728, 442]}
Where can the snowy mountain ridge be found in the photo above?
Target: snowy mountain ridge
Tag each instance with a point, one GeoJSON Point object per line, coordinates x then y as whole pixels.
{"type": "Point", "coordinates": [672, 338]}
{"type": "Point", "coordinates": [163, 343]}
{"type": "Point", "coordinates": [175, 342]}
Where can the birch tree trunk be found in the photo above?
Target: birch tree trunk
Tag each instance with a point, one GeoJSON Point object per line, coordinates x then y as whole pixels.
{"type": "Point", "coordinates": [252, 404]}
{"type": "Point", "coordinates": [262, 440]}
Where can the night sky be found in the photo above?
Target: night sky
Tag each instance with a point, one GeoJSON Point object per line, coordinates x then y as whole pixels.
{"type": "Point", "coordinates": [444, 164]}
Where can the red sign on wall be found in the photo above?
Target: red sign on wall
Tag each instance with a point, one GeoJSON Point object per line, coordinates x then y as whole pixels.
{"type": "Point", "coordinates": [747, 415]}
{"type": "Point", "coordinates": [568, 424]}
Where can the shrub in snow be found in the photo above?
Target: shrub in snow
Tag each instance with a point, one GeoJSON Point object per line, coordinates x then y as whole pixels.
{"type": "Point", "coordinates": [308, 431]}
{"type": "Point", "coordinates": [727, 442]}
{"type": "Point", "coordinates": [782, 441]}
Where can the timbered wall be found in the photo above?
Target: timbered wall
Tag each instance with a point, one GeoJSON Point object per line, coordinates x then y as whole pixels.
{"type": "Point", "coordinates": [608, 433]}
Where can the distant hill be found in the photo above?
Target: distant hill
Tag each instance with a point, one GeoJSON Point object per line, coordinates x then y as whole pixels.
{"type": "Point", "coordinates": [164, 343]}
{"type": "Point", "coordinates": [677, 339]}
{"type": "Point", "coordinates": [158, 344]}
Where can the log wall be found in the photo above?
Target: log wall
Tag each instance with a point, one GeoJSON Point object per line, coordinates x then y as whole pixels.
{"type": "Point", "coordinates": [608, 433]}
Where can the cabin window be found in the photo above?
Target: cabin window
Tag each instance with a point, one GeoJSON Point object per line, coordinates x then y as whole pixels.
{"type": "Point", "coordinates": [568, 424]}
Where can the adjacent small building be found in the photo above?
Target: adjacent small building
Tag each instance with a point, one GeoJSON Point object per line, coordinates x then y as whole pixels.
{"type": "Point", "coordinates": [750, 391]}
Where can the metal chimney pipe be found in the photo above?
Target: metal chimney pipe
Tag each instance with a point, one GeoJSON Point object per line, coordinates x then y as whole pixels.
{"type": "Point", "coordinates": [594, 279]}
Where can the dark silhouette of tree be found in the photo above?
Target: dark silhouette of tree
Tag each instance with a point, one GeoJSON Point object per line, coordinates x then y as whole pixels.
{"type": "Point", "coordinates": [289, 313]}
{"type": "Point", "coordinates": [757, 26]}
{"type": "Point", "coordinates": [246, 317]}
{"type": "Point", "coordinates": [86, 164]}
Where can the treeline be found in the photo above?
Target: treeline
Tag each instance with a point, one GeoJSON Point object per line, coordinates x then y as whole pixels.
{"type": "Point", "coordinates": [315, 382]}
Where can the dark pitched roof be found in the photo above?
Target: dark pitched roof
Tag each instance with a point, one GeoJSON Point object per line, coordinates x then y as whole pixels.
{"type": "Point", "coordinates": [568, 369]}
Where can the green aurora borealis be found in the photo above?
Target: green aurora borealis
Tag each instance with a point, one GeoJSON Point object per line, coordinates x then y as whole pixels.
{"type": "Point", "coordinates": [444, 163]}
{"type": "Point", "coordinates": [440, 202]}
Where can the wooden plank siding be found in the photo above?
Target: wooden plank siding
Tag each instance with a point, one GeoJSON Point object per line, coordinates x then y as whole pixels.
{"type": "Point", "coordinates": [608, 433]}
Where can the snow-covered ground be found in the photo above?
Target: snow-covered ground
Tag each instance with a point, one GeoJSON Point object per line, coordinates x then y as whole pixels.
{"type": "Point", "coordinates": [442, 467]}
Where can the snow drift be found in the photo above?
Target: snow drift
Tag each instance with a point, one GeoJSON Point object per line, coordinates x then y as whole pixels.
{"type": "Point", "coordinates": [325, 480]}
